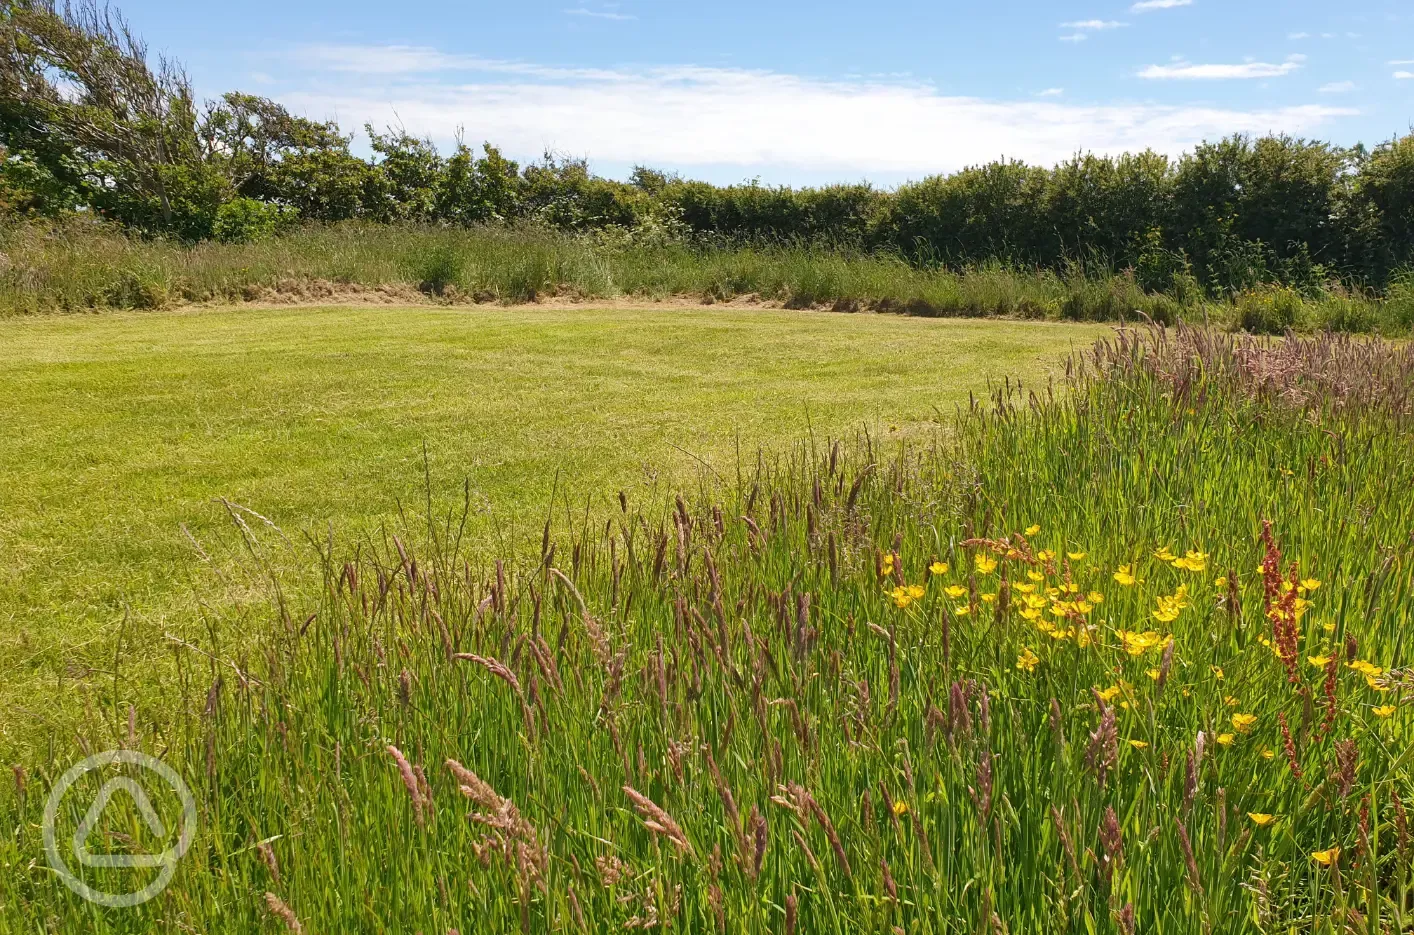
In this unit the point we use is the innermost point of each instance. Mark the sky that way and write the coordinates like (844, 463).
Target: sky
(802, 93)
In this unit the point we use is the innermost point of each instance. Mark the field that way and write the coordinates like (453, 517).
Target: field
(124, 429)
(1123, 653)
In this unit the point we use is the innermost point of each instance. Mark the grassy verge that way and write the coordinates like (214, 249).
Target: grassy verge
(123, 431)
(1125, 659)
(86, 266)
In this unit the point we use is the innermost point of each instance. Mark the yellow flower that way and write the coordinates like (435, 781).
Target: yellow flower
(1030, 613)
(1083, 607)
(1023, 588)
(1139, 744)
(985, 565)
(962, 610)
(1045, 555)
(1153, 674)
(938, 568)
(1327, 857)
(1171, 605)
(1376, 684)
(1192, 561)
(989, 598)
(1032, 530)
(1095, 597)
(1268, 754)
(916, 591)
(1220, 583)
(1366, 669)
(1226, 739)
(1242, 723)
(1217, 672)
(954, 591)
(1035, 576)
(1137, 644)
(901, 598)
(1035, 601)
(1027, 661)
(1310, 584)
(1109, 694)
(1231, 701)
(900, 807)
(1261, 819)
(1384, 710)
(1075, 556)
(1164, 555)
(1319, 662)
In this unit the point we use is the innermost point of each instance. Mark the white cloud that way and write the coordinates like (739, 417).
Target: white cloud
(1404, 75)
(1182, 70)
(1074, 37)
(1144, 6)
(692, 116)
(1337, 87)
(1298, 35)
(1094, 24)
(599, 14)
(1051, 92)
(1401, 61)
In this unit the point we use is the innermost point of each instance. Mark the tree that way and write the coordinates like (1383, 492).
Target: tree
(132, 127)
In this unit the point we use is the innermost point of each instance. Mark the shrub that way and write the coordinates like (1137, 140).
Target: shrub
(441, 266)
(1268, 309)
(245, 220)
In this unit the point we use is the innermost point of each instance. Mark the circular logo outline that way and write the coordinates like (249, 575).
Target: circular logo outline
(167, 860)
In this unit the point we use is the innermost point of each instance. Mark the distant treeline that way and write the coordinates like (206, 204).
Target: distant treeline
(87, 124)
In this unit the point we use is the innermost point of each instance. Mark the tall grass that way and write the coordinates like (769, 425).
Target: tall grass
(1119, 656)
(81, 266)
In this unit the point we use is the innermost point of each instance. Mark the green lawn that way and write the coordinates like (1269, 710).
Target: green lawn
(119, 429)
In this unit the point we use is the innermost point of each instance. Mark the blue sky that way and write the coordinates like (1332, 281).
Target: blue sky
(808, 92)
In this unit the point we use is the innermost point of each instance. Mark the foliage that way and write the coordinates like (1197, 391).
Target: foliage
(245, 220)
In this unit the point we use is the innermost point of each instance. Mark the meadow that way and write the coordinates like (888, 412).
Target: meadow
(1125, 652)
(82, 266)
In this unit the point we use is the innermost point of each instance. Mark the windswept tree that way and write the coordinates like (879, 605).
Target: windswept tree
(81, 78)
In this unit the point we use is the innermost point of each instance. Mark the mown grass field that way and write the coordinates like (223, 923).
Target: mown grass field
(123, 428)
(1132, 656)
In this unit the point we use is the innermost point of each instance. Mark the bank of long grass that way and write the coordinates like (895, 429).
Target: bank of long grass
(83, 266)
(1130, 658)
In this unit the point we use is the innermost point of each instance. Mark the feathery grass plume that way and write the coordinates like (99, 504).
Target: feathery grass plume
(657, 820)
(511, 833)
(1289, 745)
(1164, 666)
(267, 854)
(1103, 749)
(500, 671)
(1189, 863)
(1126, 919)
(1112, 843)
(815, 808)
(982, 794)
(1067, 844)
(890, 886)
(409, 778)
(792, 913)
(1347, 755)
(284, 913)
(760, 839)
(804, 847)
(598, 639)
